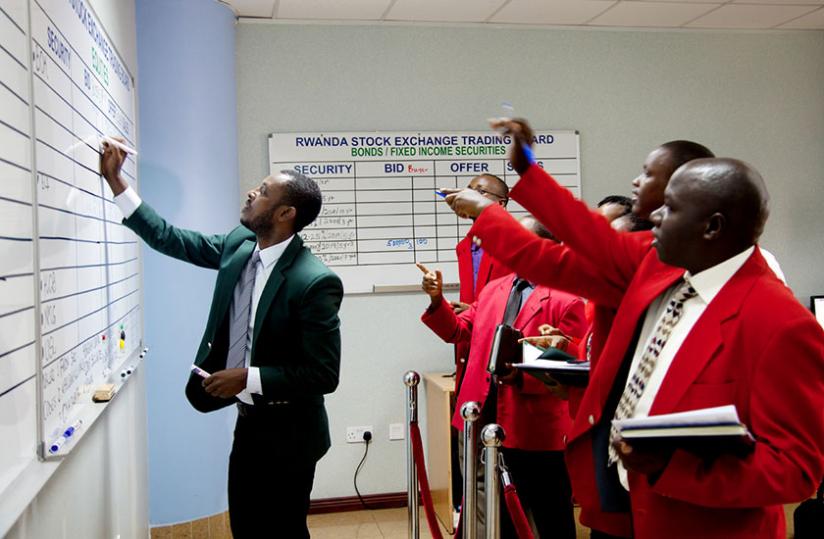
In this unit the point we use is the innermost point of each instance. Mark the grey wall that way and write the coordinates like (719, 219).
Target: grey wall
(758, 96)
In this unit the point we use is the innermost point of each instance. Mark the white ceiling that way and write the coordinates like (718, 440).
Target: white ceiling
(723, 14)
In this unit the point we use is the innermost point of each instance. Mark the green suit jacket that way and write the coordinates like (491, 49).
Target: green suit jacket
(296, 341)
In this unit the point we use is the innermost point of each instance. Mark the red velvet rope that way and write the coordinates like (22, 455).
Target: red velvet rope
(423, 481)
(516, 513)
(513, 503)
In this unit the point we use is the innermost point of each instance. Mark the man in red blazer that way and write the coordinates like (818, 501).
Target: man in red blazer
(475, 267)
(535, 421)
(737, 327)
(548, 263)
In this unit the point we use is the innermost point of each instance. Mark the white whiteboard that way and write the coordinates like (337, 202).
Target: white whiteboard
(380, 213)
(70, 314)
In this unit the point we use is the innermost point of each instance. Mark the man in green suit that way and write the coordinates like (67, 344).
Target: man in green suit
(271, 343)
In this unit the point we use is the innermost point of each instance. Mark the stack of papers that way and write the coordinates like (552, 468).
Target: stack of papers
(553, 372)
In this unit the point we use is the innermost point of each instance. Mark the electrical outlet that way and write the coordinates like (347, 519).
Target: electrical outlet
(354, 435)
(396, 431)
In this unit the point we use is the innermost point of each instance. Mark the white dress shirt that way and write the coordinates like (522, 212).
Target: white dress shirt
(707, 284)
(128, 201)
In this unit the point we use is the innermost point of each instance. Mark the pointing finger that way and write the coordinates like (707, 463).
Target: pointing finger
(423, 268)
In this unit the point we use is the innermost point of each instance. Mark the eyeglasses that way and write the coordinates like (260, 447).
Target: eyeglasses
(484, 192)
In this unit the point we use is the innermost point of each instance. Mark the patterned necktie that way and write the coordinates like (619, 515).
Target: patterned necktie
(640, 377)
(240, 313)
(513, 304)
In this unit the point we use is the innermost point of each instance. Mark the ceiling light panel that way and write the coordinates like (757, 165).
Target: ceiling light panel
(253, 8)
(778, 2)
(560, 12)
(749, 16)
(443, 10)
(652, 14)
(813, 21)
(364, 10)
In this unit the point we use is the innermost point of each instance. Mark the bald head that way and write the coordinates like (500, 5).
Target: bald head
(713, 209)
(738, 192)
(534, 226)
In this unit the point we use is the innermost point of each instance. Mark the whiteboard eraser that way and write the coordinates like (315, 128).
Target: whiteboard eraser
(103, 393)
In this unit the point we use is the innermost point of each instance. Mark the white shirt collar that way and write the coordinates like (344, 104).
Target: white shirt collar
(710, 281)
(270, 255)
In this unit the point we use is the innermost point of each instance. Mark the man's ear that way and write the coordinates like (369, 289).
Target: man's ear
(716, 225)
(286, 213)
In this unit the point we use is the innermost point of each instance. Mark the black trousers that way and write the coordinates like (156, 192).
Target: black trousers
(269, 485)
(457, 472)
(543, 486)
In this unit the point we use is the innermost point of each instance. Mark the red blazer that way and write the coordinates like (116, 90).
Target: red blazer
(488, 270)
(548, 263)
(755, 347)
(532, 418)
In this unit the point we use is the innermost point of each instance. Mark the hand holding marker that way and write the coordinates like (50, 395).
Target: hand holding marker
(117, 144)
(200, 372)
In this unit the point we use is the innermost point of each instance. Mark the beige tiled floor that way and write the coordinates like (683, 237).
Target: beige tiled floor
(386, 523)
(391, 523)
(380, 523)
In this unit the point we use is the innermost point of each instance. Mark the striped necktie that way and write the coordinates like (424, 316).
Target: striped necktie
(641, 375)
(239, 314)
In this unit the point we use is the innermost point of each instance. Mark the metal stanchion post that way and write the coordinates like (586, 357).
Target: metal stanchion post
(470, 412)
(411, 379)
(492, 435)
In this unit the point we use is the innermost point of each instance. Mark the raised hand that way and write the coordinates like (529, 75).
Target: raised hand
(432, 283)
(522, 135)
(466, 203)
(111, 161)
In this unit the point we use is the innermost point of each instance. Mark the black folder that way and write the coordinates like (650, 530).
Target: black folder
(707, 432)
(505, 349)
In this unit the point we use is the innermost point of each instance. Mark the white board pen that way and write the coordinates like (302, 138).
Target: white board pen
(118, 144)
(57, 444)
(200, 372)
(71, 429)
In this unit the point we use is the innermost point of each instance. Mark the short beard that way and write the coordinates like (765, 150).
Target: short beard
(260, 225)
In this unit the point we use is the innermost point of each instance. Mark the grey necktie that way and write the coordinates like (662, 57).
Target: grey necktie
(239, 314)
(513, 303)
(640, 376)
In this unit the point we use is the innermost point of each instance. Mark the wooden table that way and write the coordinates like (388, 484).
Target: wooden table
(440, 403)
